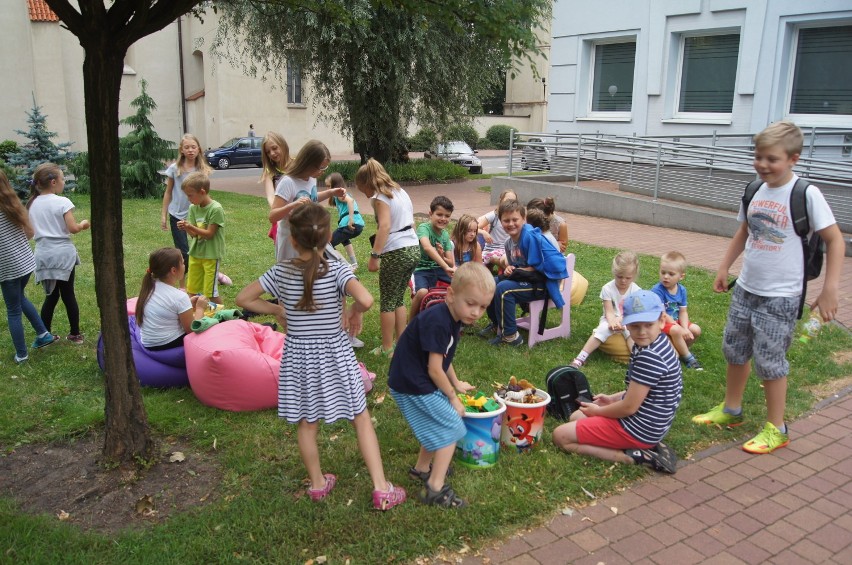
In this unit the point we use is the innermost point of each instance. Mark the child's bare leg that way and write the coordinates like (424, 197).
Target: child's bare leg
(424, 460)
(440, 464)
(591, 345)
(735, 384)
(307, 439)
(696, 331)
(678, 341)
(387, 322)
(368, 443)
(350, 252)
(775, 391)
(415, 303)
(565, 437)
(400, 321)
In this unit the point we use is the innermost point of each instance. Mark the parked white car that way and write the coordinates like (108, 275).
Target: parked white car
(457, 152)
(535, 157)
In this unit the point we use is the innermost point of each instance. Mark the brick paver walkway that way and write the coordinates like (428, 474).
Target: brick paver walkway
(723, 506)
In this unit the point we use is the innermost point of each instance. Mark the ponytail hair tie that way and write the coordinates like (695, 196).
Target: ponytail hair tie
(315, 249)
(315, 227)
(148, 271)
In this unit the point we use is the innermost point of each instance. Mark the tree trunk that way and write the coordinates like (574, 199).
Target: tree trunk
(127, 434)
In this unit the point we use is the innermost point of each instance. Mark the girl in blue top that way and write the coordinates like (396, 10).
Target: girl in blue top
(350, 224)
(465, 243)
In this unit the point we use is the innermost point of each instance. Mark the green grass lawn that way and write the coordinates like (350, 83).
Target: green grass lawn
(259, 513)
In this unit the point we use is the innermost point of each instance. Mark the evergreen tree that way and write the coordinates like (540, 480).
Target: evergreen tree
(39, 149)
(142, 150)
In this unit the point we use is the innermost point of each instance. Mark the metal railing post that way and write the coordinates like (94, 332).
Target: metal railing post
(657, 171)
(511, 149)
(577, 167)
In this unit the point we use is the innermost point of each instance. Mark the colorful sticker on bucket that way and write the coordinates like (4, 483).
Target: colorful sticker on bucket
(480, 447)
(524, 422)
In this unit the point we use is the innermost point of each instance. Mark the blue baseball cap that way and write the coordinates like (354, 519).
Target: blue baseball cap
(642, 306)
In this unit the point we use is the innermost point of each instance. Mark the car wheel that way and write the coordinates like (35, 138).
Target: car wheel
(223, 163)
(477, 171)
(524, 166)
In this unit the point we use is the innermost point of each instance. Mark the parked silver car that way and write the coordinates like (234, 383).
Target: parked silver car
(457, 152)
(535, 157)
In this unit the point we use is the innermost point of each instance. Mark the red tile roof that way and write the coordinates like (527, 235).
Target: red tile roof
(41, 12)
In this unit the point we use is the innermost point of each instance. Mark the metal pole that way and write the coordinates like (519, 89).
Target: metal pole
(511, 146)
(577, 167)
(657, 172)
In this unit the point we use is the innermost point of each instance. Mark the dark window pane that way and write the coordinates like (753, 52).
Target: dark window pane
(822, 82)
(709, 73)
(613, 87)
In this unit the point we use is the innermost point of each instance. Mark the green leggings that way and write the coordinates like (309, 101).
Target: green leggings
(395, 271)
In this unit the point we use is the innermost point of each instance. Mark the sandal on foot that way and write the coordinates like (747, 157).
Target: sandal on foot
(382, 352)
(446, 497)
(661, 458)
(423, 476)
(385, 500)
(320, 493)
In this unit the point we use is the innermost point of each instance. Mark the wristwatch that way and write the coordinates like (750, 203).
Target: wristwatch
(375, 255)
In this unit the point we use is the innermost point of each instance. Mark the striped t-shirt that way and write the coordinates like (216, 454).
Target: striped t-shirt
(656, 366)
(16, 256)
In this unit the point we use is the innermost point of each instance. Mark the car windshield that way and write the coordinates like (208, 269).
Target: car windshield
(230, 142)
(454, 147)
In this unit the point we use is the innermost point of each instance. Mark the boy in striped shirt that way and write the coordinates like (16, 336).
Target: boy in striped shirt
(628, 426)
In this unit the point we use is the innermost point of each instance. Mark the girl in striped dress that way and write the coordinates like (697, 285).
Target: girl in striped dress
(16, 265)
(319, 378)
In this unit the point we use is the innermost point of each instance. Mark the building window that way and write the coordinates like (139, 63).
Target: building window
(820, 84)
(708, 73)
(294, 83)
(612, 88)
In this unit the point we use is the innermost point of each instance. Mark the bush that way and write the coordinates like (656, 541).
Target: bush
(6, 148)
(423, 140)
(79, 167)
(416, 170)
(499, 136)
(465, 133)
(485, 143)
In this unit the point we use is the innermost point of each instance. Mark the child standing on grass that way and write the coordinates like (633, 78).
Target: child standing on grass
(297, 187)
(436, 252)
(629, 426)
(319, 376)
(165, 313)
(625, 269)
(395, 249)
(205, 225)
(672, 293)
(350, 224)
(423, 382)
(56, 257)
(465, 243)
(175, 205)
(766, 299)
(16, 265)
(275, 156)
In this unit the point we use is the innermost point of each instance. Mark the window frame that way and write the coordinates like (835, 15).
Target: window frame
(709, 117)
(591, 113)
(810, 120)
(294, 85)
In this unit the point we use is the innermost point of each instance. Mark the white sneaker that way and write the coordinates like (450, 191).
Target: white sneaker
(355, 342)
(354, 266)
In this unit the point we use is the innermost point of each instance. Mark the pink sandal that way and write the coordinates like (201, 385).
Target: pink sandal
(320, 493)
(385, 500)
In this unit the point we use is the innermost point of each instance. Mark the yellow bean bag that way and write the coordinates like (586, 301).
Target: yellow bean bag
(616, 347)
(579, 286)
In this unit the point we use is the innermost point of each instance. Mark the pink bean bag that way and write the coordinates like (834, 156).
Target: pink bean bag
(234, 365)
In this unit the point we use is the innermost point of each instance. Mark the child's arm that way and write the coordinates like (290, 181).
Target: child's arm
(350, 208)
(354, 314)
(477, 252)
(735, 248)
(72, 224)
(249, 298)
(613, 316)
(461, 386)
(562, 237)
(482, 223)
(383, 219)
(683, 320)
(201, 233)
(282, 209)
(167, 199)
(442, 381)
(199, 304)
(438, 257)
(625, 406)
(339, 192)
(834, 251)
(268, 188)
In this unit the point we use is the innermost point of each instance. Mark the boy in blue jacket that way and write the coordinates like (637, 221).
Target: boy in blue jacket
(532, 268)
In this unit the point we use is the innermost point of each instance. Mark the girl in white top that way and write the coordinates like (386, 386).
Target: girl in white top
(493, 233)
(53, 222)
(299, 185)
(175, 203)
(395, 244)
(164, 313)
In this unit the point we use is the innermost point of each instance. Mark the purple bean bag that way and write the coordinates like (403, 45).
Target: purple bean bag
(158, 369)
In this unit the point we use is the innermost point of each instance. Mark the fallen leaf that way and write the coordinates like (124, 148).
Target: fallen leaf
(568, 511)
(145, 504)
(464, 549)
(590, 495)
(14, 376)
(179, 401)
(63, 515)
(176, 457)
(191, 472)
(214, 443)
(380, 398)
(587, 519)
(614, 509)
(333, 438)
(349, 503)
(321, 559)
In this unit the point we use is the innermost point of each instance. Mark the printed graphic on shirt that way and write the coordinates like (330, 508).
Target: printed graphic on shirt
(766, 224)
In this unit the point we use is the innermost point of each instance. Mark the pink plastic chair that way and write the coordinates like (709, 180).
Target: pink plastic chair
(531, 321)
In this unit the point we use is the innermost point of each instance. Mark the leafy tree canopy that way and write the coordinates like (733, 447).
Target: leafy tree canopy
(376, 65)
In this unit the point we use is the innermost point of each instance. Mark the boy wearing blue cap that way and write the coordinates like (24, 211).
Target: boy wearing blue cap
(628, 426)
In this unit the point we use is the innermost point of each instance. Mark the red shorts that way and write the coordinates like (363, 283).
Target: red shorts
(606, 432)
(667, 326)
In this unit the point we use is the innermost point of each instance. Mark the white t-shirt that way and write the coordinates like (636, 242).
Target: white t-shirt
(291, 189)
(498, 234)
(773, 264)
(161, 323)
(47, 216)
(401, 215)
(179, 205)
(609, 293)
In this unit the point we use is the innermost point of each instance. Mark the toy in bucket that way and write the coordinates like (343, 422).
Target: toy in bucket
(480, 447)
(524, 420)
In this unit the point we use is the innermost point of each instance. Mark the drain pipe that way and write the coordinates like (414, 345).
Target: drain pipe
(182, 85)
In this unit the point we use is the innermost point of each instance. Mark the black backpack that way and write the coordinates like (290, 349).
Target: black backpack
(567, 387)
(813, 247)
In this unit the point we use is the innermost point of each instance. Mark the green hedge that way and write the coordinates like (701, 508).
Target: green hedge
(463, 132)
(416, 170)
(499, 136)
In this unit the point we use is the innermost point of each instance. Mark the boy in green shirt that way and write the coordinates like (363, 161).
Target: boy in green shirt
(436, 252)
(204, 225)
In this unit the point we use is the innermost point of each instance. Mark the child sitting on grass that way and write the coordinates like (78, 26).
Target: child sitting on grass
(629, 426)
(673, 296)
(436, 252)
(625, 269)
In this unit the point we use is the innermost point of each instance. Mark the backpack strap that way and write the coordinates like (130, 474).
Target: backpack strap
(802, 226)
(750, 190)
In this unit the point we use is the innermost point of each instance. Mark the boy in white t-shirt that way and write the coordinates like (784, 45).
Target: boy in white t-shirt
(625, 269)
(765, 303)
